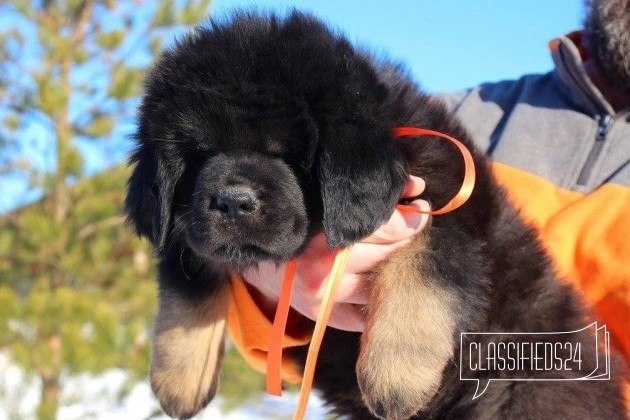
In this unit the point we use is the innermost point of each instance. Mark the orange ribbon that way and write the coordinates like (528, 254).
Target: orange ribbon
(468, 183)
(274, 357)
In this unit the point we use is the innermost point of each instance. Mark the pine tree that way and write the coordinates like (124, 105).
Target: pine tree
(76, 288)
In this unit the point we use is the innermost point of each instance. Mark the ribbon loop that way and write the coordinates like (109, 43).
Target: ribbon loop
(468, 184)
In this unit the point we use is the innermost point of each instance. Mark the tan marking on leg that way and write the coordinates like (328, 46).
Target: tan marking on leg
(187, 352)
(408, 339)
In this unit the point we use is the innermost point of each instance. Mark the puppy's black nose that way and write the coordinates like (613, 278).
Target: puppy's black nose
(234, 202)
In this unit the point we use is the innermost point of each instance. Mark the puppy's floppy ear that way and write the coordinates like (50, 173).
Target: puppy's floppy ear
(150, 195)
(361, 177)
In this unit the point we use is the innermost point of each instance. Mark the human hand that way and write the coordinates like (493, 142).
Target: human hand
(315, 263)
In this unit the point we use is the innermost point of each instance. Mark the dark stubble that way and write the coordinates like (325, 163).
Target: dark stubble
(607, 36)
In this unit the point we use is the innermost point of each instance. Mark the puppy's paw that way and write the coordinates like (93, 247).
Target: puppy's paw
(184, 383)
(177, 398)
(397, 381)
(187, 353)
(408, 338)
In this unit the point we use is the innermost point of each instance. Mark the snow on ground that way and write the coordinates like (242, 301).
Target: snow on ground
(102, 397)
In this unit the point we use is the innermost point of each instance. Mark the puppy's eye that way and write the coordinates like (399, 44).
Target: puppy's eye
(195, 160)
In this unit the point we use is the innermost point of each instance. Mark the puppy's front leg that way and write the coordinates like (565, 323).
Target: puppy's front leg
(188, 350)
(412, 319)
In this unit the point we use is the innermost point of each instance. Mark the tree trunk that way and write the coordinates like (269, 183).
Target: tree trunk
(47, 409)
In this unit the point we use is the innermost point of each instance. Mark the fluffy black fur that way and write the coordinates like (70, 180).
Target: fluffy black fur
(260, 131)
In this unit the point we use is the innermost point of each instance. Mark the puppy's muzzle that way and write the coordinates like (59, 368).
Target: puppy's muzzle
(246, 207)
(234, 203)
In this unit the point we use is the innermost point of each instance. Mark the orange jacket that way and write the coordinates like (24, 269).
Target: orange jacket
(588, 236)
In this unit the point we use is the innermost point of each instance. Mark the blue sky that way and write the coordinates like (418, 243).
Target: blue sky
(446, 44)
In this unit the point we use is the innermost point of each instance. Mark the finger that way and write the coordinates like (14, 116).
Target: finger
(343, 316)
(365, 256)
(401, 225)
(423, 209)
(347, 317)
(353, 288)
(413, 187)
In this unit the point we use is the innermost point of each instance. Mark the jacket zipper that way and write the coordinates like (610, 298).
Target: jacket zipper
(603, 127)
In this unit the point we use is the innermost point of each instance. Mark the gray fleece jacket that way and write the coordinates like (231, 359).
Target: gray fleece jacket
(556, 125)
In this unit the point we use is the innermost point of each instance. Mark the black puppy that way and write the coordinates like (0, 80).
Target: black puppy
(259, 132)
